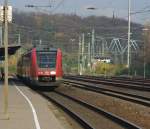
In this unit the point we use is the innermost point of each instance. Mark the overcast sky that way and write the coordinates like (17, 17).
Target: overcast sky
(104, 7)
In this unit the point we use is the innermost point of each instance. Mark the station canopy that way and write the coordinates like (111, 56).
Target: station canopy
(11, 50)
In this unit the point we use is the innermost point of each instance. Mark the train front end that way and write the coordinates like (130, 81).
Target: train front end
(49, 67)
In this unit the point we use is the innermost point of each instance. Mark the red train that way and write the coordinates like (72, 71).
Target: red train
(41, 67)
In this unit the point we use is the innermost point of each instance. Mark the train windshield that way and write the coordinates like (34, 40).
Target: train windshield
(46, 59)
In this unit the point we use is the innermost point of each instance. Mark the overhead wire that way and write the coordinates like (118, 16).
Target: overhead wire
(58, 5)
(140, 12)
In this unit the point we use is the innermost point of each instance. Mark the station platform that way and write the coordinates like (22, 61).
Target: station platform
(24, 114)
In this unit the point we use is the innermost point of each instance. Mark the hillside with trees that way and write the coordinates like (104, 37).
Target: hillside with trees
(62, 27)
(63, 30)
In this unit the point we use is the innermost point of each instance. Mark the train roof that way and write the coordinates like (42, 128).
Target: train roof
(45, 49)
(41, 48)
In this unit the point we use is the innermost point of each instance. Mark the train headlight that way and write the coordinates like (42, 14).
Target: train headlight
(40, 73)
(53, 73)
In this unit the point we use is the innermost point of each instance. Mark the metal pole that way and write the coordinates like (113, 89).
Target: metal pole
(40, 42)
(79, 57)
(6, 58)
(19, 40)
(1, 35)
(83, 59)
(144, 60)
(103, 49)
(144, 68)
(129, 33)
(93, 42)
(144, 51)
(89, 54)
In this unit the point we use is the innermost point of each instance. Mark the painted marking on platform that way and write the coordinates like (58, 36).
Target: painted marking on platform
(32, 107)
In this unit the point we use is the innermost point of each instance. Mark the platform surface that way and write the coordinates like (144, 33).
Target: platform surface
(20, 113)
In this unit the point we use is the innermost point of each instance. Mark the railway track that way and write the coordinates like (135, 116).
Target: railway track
(146, 80)
(121, 80)
(115, 83)
(132, 79)
(109, 92)
(67, 103)
(140, 82)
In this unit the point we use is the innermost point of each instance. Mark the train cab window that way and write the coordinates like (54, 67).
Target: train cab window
(46, 59)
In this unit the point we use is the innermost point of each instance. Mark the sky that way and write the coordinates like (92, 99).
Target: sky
(79, 7)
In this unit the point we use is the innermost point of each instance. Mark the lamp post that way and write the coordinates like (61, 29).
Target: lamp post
(6, 58)
(92, 47)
